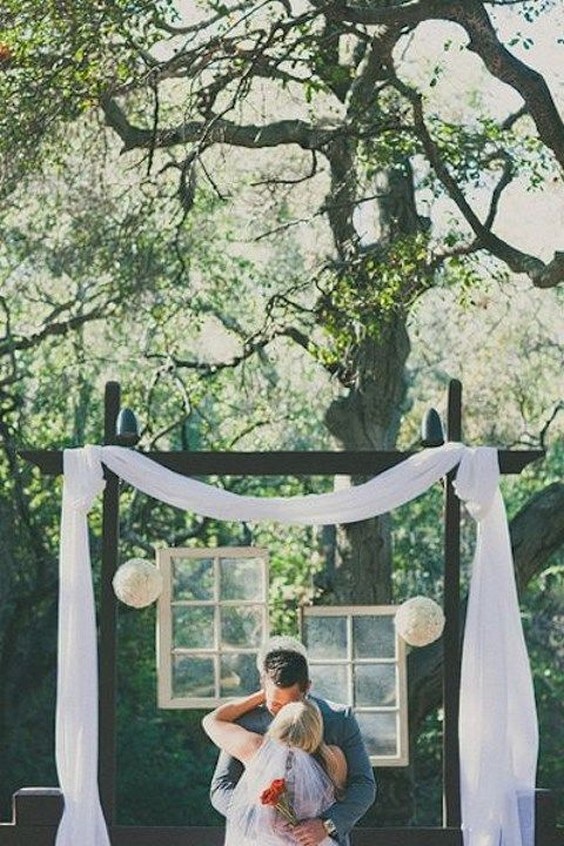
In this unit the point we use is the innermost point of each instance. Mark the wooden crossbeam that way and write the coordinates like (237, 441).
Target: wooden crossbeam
(367, 463)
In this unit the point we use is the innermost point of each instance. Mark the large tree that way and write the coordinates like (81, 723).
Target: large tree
(334, 81)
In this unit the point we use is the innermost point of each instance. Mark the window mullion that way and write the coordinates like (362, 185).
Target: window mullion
(217, 626)
(350, 659)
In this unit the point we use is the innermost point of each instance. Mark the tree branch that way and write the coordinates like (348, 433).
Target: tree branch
(506, 178)
(472, 16)
(218, 131)
(537, 531)
(374, 67)
(410, 12)
(193, 29)
(296, 181)
(541, 275)
(502, 64)
(10, 344)
(254, 345)
(206, 369)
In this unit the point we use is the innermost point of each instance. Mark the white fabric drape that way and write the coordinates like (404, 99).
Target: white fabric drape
(498, 726)
(497, 723)
(76, 732)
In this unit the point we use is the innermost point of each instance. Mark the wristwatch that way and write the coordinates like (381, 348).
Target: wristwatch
(330, 828)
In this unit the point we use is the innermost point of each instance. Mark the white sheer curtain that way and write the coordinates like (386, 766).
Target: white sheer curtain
(498, 718)
(497, 723)
(76, 735)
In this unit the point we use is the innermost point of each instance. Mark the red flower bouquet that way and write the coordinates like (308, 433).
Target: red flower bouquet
(277, 796)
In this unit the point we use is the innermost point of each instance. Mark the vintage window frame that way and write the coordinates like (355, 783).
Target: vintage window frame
(164, 642)
(401, 759)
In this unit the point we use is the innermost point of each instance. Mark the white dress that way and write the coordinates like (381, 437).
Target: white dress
(311, 792)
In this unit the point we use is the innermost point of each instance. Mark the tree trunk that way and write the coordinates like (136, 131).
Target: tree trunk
(368, 418)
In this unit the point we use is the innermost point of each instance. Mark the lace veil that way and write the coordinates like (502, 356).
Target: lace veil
(310, 791)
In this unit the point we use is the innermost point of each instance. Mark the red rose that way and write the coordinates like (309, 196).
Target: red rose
(272, 794)
(277, 796)
(267, 797)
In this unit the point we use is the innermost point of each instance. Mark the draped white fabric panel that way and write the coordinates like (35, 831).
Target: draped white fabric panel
(498, 720)
(395, 486)
(76, 734)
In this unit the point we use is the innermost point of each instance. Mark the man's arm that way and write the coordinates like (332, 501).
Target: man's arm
(227, 773)
(361, 787)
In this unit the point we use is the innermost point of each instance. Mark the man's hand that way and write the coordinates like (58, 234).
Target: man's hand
(309, 832)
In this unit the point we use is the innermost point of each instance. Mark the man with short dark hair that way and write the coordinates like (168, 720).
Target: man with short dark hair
(285, 678)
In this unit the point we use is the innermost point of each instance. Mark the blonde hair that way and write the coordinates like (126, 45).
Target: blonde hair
(300, 724)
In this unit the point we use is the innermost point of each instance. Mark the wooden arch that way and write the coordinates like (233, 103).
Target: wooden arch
(37, 811)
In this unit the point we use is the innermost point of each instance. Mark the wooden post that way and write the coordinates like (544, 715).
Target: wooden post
(451, 636)
(108, 617)
(546, 831)
(38, 806)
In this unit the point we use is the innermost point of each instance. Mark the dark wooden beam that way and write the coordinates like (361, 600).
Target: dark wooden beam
(451, 637)
(107, 697)
(50, 462)
(44, 835)
(37, 812)
(125, 836)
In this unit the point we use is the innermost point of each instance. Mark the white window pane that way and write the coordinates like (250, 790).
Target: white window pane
(329, 681)
(379, 732)
(241, 626)
(192, 578)
(241, 578)
(210, 632)
(193, 627)
(192, 676)
(374, 636)
(326, 637)
(375, 684)
(239, 675)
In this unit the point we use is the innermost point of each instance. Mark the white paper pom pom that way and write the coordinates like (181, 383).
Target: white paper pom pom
(419, 621)
(137, 583)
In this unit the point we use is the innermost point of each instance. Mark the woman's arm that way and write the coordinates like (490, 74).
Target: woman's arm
(219, 725)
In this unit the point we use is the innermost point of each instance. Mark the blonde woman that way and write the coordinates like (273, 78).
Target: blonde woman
(292, 749)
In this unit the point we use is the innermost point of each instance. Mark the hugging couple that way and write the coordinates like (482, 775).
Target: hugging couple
(293, 768)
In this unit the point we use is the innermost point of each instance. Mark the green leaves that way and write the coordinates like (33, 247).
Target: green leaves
(56, 58)
(477, 154)
(358, 301)
(524, 41)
